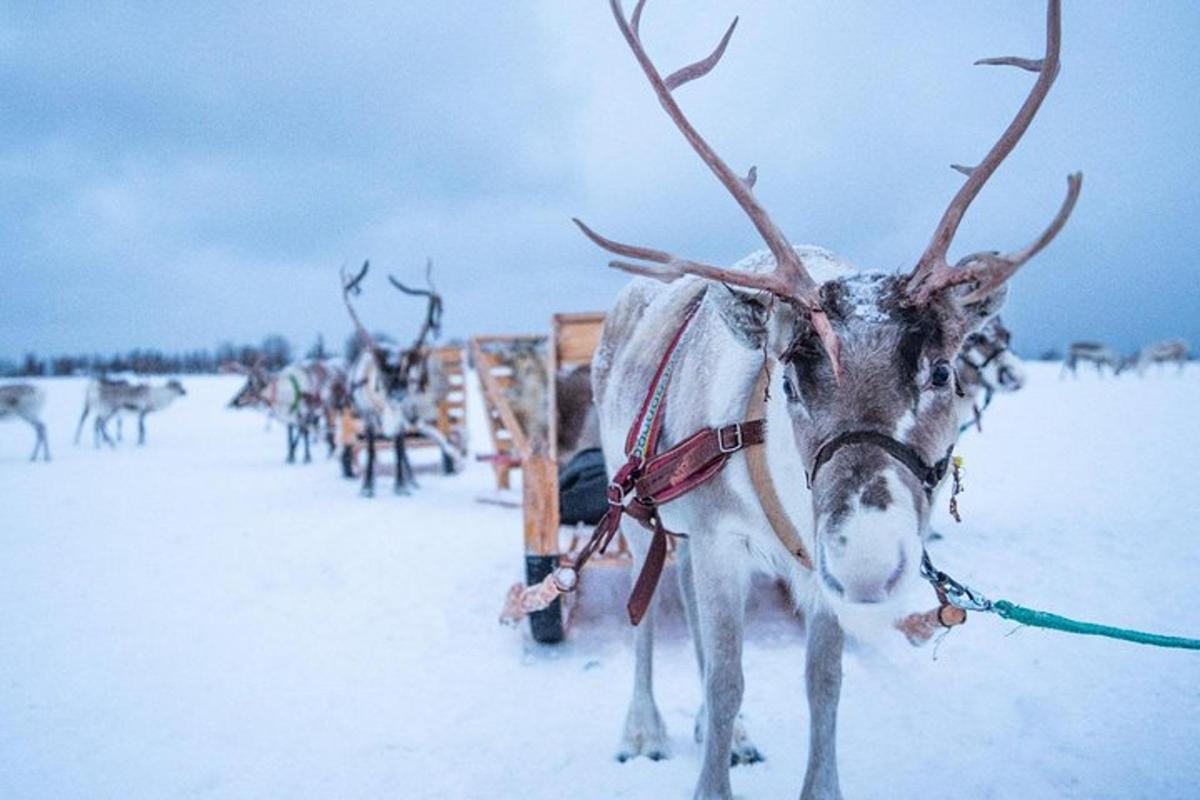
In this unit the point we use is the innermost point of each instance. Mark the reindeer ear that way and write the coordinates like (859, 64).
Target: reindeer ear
(745, 313)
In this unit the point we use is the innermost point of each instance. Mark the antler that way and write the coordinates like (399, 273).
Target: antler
(351, 286)
(789, 280)
(933, 273)
(433, 314)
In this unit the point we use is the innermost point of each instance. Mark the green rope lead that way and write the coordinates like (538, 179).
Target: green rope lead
(1043, 619)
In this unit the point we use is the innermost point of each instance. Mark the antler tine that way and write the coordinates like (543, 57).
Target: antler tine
(990, 269)
(408, 290)
(702, 67)
(933, 260)
(352, 286)
(788, 266)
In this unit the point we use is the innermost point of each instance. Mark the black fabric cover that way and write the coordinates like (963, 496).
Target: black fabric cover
(582, 488)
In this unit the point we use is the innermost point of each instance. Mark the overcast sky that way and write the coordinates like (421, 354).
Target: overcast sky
(176, 175)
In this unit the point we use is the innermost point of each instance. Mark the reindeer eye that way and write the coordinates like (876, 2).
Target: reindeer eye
(940, 376)
(789, 390)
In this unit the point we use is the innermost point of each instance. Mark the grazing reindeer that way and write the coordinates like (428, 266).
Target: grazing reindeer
(1171, 351)
(25, 401)
(986, 365)
(861, 401)
(106, 399)
(1094, 352)
(393, 390)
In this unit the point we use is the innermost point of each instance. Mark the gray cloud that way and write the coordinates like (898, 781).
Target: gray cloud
(179, 176)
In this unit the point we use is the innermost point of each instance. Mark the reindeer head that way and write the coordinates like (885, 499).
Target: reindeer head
(866, 361)
(252, 393)
(176, 388)
(401, 372)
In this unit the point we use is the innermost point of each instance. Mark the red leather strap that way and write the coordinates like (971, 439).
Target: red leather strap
(657, 479)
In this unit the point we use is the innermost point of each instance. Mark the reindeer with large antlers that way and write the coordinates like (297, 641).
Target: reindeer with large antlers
(395, 391)
(833, 490)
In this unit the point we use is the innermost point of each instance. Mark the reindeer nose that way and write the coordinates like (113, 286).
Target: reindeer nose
(863, 586)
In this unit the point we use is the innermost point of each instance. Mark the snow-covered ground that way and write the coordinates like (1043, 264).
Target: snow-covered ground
(196, 619)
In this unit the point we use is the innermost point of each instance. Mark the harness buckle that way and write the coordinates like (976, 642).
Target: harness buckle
(737, 438)
(616, 494)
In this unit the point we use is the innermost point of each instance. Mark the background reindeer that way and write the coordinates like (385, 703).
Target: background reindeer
(862, 409)
(394, 391)
(986, 365)
(1093, 352)
(25, 401)
(107, 399)
(1171, 351)
(303, 396)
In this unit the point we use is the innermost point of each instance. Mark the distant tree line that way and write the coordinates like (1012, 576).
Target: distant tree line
(272, 353)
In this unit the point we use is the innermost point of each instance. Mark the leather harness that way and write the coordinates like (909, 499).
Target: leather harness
(647, 481)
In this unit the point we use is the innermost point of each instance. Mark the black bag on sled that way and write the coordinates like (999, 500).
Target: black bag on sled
(583, 488)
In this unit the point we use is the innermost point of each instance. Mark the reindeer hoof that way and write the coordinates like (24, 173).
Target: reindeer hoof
(367, 492)
(653, 755)
(745, 755)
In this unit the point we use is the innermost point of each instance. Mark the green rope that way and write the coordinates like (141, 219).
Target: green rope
(1043, 619)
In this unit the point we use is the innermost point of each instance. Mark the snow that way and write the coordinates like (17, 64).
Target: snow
(194, 619)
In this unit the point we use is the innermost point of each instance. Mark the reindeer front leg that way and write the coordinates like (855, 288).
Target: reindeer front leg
(721, 574)
(823, 679)
(142, 427)
(742, 750)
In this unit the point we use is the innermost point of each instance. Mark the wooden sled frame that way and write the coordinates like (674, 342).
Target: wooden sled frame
(572, 342)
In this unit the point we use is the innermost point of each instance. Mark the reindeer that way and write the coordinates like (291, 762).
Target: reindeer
(1094, 352)
(25, 401)
(858, 370)
(302, 396)
(985, 365)
(395, 391)
(1169, 351)
(94, 401)
(106, 399)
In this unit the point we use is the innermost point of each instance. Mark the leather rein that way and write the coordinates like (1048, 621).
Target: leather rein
(648, 480)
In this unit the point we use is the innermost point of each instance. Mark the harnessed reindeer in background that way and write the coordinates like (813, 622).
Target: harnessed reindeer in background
(985, 365)
(1172, 351)
(25, 401)
(302, 396)
(1093, 352)
(857, 367)
(106, 399)
(394, 390)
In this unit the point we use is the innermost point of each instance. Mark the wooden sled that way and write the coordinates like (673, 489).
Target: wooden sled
(573, 339)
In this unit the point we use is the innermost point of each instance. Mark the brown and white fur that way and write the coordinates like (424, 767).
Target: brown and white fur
(526, 394)
(299, 395)
(25, 401)
(106, 399)
(1094, 353)
(1171, 351)
(986, 365)
(845, 352)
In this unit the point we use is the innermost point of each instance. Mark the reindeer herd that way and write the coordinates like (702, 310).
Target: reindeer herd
(865, 373)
